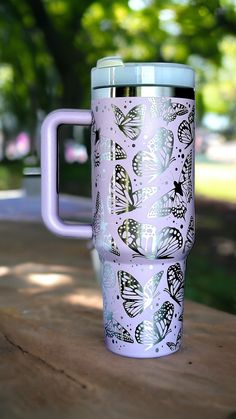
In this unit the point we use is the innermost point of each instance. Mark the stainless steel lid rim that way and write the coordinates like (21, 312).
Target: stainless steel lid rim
(143, 91)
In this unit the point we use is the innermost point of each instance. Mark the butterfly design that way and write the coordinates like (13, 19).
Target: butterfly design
(122, 198)
(131, 123)
(145, 240)
(181, 317)
(114, 329)
(137, 298)
(103, 239)
(108, 276)
(95, 130)
(105, 303)
(109, 244)
(166, 109)
(174, 346)
(175, 200)
(150, 333)
(97, 218)
(175, 282)
(191, 116)
(186, 129)
(150, 163)
(107, 150)
(190, 236)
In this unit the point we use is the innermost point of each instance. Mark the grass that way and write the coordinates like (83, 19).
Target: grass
(210, 283)
(216, 181)
(75, 179)
(11, 175)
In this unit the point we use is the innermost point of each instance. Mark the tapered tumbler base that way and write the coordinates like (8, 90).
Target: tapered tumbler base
(143, 308)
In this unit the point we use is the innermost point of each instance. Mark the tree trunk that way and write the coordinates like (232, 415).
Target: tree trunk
(66, 56)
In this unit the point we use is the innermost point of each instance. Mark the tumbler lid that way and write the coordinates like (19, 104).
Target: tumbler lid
(112, 72)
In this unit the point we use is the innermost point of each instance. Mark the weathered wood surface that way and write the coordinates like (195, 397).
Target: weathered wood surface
(53, 360)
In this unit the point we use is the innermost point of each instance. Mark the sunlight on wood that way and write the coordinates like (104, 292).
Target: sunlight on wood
(48, 280)
(93, 301)
(4, 270)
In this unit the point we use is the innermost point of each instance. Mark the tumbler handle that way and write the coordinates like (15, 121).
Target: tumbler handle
(49, 158)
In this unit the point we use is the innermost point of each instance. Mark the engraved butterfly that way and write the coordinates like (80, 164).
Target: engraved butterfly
(94, 130)
(166, 109)
(131, 123)
(114, 329)
(151, 333)
(175, 346)
(186, 130)
(175, 282)
(175, 200)
(146, 241)
(190, 236)
(181, 317)
(103, 239)
(108, 276)
(158, 157)
(97, 218)
(137, 298)
(107, 150)
(109, 244)
(122, 198)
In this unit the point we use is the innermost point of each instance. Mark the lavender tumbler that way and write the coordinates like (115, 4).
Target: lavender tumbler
(143, 198)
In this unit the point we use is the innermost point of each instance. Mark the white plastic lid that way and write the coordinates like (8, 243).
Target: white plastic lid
(112, 71)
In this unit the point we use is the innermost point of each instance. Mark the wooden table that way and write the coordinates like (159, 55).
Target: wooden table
(53, 360)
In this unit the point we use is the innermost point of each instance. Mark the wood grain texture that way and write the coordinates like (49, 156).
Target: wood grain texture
(53, 360)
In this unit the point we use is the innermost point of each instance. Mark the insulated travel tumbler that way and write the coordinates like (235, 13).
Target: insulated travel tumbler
(142, 134)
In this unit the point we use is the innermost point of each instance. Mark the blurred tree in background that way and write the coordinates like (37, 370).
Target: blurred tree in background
(49, 46)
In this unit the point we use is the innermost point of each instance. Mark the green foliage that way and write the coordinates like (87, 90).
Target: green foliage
(49, 47)
(206, 283)
(211, 263)
(219, 92)
(75, 179)
(11, 175)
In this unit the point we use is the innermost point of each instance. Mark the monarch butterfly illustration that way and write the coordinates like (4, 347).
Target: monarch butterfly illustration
(150, 163)
(186, 130)
(174, 346)
(100, 233)
(145, 241)
(122, 197)
(107, 149)
(181, 317)
(151, 333)
(114, 329)
(95, 131)
(137, 298)
(190, 236)
(108, 276)
(175, 282)
(109, 244)
(98, 215)
(191, 115)
(131, 123)
(166, 109)
(175, 200)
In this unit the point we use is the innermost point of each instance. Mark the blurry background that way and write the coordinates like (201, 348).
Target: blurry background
(47, 49)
